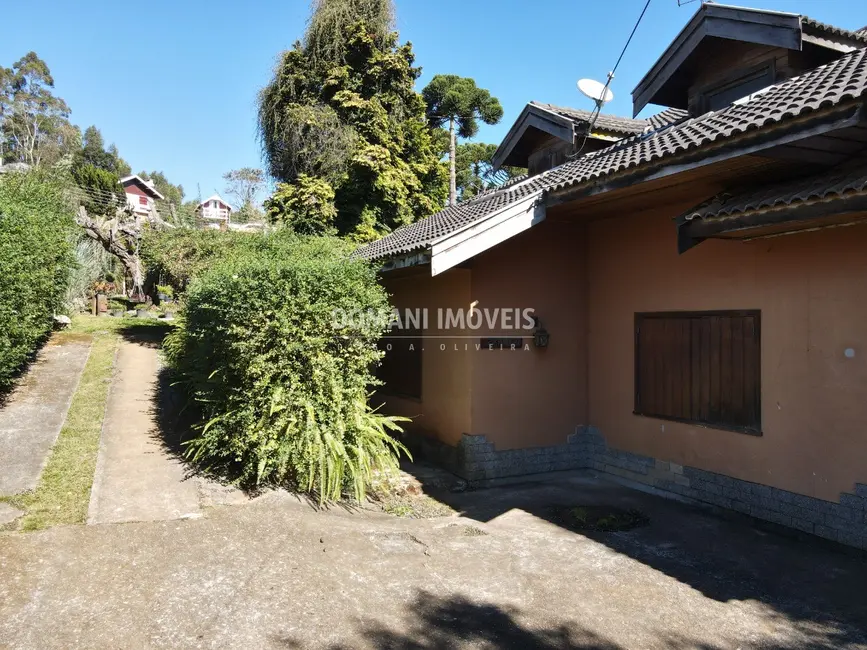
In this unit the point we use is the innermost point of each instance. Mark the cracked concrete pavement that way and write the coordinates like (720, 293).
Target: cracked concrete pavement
(32, 416)
(275, 573)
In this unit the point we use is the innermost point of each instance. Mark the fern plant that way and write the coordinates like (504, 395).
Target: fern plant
(284, 394)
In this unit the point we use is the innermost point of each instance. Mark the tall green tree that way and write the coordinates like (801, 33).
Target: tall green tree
(342, 108)
(459, 103)
(174, 193)
(33, 120)
(305, 207)
(474, 170)
(325, 40)
(122, 167)
(93, 153)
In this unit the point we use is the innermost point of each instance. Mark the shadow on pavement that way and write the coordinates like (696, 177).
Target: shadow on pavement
(805, 582)
(435, 623)
(147, 333)
(431, 622)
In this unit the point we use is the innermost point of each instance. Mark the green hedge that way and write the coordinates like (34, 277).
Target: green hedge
(284, 394)
(177, 255)
(36, 227)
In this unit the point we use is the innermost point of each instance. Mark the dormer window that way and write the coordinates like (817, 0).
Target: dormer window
(546, 136)
(726, 53)
(723, 93)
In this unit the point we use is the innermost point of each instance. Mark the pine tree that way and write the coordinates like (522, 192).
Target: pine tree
(459, 103)
(342, 108)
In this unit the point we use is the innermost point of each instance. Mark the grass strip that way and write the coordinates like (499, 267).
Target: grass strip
(63, 493)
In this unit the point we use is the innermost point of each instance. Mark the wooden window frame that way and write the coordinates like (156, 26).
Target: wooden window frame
(755, 313)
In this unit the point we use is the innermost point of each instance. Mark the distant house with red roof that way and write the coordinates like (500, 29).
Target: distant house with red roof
(140, 194)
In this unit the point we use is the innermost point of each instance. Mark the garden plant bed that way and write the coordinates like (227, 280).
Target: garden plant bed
(605, 519)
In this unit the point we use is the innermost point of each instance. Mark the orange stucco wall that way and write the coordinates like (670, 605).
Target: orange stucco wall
(519, 398)
(586, 281)
(812, 291)
(534, 397)
(444, 408)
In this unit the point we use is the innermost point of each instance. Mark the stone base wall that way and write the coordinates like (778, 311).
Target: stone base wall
(476, 460)
(844, 522)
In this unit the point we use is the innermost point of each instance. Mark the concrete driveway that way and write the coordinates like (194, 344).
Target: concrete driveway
(274, 573)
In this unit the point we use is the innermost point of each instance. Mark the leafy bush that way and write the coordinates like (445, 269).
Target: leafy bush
(36, 259)
(175, 256)
(166, 290)
(92, 262)
(306, 207)
(101, 191)
(283, 392)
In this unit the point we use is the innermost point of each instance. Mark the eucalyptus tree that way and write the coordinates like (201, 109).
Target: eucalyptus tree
(457, 102)
(32, 119)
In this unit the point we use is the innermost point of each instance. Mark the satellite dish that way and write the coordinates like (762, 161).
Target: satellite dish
(595, 91)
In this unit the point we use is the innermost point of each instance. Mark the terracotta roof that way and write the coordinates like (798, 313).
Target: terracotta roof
(616, 123)
(822, 88)
(827, 186)
(604, 122)
(814, 25)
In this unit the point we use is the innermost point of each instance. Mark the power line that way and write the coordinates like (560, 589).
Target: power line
(599, 101)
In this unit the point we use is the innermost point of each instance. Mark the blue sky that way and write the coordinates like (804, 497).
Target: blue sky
(174, 83)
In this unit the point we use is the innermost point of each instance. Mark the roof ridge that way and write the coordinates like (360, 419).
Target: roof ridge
(823, 87)
(584, 111)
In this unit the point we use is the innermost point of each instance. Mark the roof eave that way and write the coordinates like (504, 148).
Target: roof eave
(474, 238)
(535, 116)
(848, 209)
(745, 143)
(757, 26)
(138, 180)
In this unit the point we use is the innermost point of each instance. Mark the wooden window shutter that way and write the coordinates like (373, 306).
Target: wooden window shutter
(701, 367)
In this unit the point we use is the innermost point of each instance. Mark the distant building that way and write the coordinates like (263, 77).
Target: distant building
(214, 212)
(140, 194)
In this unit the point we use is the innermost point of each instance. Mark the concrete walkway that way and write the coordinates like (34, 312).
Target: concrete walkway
(277, 574)
(31, 419)
(137, 478)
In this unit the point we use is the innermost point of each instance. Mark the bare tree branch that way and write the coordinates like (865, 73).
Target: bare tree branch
(121, 236)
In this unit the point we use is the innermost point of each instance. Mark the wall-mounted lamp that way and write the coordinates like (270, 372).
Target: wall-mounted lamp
(540, 335)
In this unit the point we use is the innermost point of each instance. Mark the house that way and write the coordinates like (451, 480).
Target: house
(215, 212)
(678, 302)
(140, 194)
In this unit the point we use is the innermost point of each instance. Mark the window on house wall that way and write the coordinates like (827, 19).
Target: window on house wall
(701, 367)
(142, 200)
(400, 369)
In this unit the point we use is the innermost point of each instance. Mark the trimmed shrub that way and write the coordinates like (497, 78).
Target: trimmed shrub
(175, 256)
(36, 227)
(284, 393)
